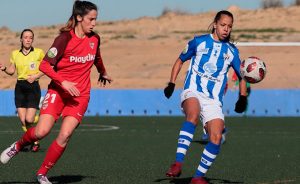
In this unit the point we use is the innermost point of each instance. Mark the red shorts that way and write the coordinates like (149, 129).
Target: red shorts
(57, 104)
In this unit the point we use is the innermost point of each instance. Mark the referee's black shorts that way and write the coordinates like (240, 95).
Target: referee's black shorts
(27, 95)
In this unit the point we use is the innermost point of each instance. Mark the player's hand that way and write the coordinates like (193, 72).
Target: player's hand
(241, 104)
(103, 79)
(2, 67)
(70, 87)
(31, 78)
(169, 89)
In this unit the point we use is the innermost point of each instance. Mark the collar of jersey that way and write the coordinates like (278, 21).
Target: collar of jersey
(31, 50)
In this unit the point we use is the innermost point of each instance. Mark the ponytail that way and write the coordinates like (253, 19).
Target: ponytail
(80, 8)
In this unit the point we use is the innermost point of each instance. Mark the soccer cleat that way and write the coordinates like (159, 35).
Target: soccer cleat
(8, 153)
(42, 179)
(174, 170)
(199, 180)
(35, 147)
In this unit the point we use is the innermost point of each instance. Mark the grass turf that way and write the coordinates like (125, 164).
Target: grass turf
(257, 150)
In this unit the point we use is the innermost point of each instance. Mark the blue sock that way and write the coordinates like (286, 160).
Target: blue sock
(208, 156)
(185, 138)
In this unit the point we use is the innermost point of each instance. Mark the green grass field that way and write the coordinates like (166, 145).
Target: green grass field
(257, 150)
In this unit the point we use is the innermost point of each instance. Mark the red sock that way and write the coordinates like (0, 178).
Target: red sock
(28, 138)
(53, 154)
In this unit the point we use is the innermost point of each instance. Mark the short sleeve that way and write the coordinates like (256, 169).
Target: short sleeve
(189, 51)
(12, 58)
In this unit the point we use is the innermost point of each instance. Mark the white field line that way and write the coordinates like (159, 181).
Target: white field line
(82, 128)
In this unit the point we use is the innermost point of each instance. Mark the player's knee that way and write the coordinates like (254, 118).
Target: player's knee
(29, 120)
(194, 118)
(64, 137)
(23, 121)
(41, 133)
(216, 138)
(28, 124)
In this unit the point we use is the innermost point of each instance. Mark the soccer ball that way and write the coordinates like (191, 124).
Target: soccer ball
(253, 69)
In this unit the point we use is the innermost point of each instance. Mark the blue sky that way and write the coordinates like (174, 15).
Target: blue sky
(20, 14)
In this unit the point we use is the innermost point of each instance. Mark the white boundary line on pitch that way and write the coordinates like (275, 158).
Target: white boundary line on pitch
(93, 128)
(267, 44)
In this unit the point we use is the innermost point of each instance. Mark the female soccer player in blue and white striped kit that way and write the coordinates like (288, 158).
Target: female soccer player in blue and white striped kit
(211, 56)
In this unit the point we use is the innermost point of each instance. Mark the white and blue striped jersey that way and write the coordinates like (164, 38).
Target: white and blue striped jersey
(210, 62)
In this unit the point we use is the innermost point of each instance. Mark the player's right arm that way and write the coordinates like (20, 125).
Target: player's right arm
(185, 55)
(175, 70)
(168, 91)
(11, 68)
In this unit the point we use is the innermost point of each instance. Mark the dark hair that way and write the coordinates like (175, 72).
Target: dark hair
(22, 33)
(25, 30)
(217, 18)
(80, 8)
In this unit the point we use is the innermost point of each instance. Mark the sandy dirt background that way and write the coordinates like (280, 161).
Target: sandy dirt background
(139, 54)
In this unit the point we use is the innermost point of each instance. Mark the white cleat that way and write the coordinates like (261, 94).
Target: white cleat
(42, 179)
(8, 153)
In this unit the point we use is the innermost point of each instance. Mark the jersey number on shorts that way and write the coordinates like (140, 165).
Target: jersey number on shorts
(52, 96)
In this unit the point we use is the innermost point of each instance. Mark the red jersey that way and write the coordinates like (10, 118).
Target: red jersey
(73, 58)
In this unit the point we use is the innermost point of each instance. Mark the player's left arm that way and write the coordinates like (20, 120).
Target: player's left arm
(103, 76)
(243, 88)
(34, 77)
(242, 102)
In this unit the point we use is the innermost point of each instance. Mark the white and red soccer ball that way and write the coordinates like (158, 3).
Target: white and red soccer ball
(253, 69)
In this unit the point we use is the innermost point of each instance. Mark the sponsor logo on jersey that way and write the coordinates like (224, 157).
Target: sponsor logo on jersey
(210, 68)
(203, 51)
(207, 75)
(82, 59)
(52, 52)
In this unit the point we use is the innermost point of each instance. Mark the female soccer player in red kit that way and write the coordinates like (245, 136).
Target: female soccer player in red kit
(68, 63)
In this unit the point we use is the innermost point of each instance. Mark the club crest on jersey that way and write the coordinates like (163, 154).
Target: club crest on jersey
(92, 44)
(32, 66)
(226, 56)
(52, 52)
